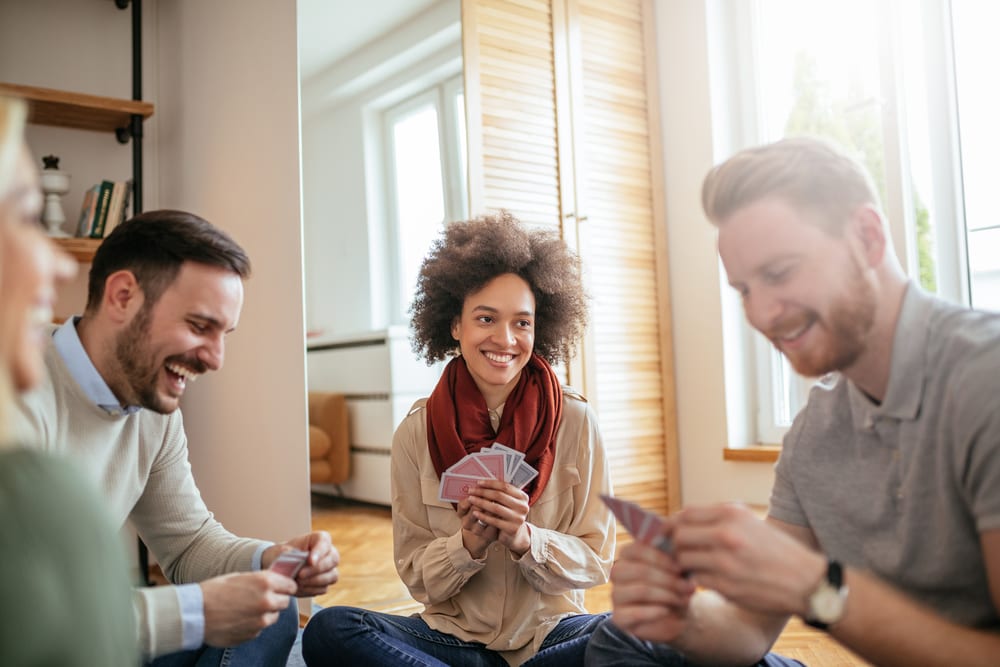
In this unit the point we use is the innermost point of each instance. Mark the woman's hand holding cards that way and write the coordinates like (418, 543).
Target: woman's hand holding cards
(503, 507)
(477, 535)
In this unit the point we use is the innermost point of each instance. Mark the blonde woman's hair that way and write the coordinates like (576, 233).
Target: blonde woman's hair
(13, 113)
(806, 172)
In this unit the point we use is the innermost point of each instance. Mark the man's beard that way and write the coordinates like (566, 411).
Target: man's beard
(139, 367)
(850, 320)
(139, 370)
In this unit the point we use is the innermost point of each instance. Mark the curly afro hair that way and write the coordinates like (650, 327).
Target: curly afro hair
(469, 254)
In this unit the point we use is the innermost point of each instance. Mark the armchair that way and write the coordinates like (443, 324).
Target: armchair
(329, 442)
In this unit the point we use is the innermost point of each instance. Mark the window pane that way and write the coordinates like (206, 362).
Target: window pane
(812, 81)
(977, 51)
(815, 82)
(918, 168)
(419, 191)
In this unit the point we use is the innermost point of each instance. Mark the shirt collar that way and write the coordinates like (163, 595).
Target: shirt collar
(906, 369)
(67, 342)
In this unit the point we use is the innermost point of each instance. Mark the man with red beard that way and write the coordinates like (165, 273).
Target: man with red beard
(165, 289)
(884, 522)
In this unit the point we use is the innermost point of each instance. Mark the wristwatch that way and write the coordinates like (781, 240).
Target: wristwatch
(827, 602)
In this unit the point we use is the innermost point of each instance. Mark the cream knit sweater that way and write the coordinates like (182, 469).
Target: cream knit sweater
(140, 462)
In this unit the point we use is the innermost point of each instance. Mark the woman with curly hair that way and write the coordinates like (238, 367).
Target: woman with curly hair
(501, 573)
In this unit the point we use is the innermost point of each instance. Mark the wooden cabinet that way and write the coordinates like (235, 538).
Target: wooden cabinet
(563, 132)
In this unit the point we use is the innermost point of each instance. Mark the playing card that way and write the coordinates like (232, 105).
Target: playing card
(523, 474)
(653, 533)
(512, 456)
(494, 462)
(633, 520)
(637, 516)
(289, 563)
(645, 528)
(470, 466)
(643, 525)
(455, 487)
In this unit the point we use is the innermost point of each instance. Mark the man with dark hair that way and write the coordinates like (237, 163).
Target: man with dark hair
(165, 289)
(884, 522)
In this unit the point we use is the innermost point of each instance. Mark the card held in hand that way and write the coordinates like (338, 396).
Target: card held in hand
(494, 462)
(643, 525)
(456, 487)
(290, 562)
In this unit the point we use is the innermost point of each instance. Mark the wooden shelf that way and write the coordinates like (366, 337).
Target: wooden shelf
(82, 250)
(78, 110)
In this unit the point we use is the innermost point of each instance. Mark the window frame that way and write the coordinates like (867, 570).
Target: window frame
(440, 95)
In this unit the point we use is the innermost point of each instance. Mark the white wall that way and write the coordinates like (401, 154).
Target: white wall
(229, 150)
(692, 144)
(345, 229)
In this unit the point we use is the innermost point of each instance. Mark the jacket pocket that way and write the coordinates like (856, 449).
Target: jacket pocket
(563, 480)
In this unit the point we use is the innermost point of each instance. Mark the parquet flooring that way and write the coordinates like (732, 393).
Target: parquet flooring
(363, 535)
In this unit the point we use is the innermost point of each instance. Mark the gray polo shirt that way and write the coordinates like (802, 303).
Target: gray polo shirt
(903, 489)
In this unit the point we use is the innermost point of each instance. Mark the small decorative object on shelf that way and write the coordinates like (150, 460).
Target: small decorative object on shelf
(55, 184)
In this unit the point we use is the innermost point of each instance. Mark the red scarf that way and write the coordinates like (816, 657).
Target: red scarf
(458, 422)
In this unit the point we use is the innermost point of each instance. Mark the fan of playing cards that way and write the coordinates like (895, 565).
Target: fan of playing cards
(642, 524)
(494, 462)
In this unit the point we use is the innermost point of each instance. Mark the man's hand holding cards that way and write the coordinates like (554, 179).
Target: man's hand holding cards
(643, 525)
(494, 462)
(290, 562)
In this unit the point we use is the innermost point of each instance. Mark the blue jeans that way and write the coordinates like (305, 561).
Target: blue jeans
(269, 649)
(352, 636)
(610, 646)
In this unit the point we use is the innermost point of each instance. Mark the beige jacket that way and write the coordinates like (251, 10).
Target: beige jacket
(508, 604)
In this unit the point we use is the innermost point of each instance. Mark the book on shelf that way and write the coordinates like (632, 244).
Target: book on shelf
(104, 208)
(86, 220)
(120, 199)
(101, 214)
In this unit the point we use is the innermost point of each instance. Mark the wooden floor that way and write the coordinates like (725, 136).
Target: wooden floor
(363, 535)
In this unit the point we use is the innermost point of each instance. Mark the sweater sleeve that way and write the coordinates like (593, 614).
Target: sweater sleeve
(172, 519)
(158, 616)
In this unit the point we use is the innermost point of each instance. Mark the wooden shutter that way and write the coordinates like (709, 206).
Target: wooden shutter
(511, 109)
(629, 355)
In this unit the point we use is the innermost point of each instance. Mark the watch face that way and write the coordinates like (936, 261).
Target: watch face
(827, 604)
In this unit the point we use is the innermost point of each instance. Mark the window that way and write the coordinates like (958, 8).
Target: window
(906, 87)
(424, 137)
(978, 100)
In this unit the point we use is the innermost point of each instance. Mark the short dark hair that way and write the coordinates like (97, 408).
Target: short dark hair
(470, 254)
(154, 245)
